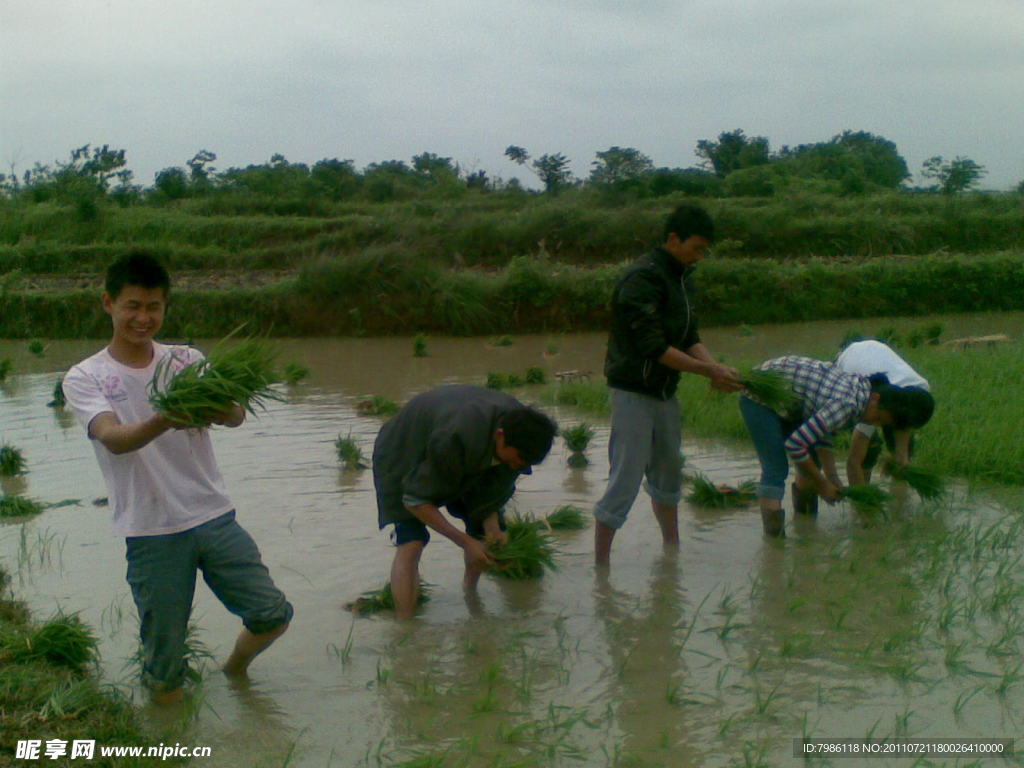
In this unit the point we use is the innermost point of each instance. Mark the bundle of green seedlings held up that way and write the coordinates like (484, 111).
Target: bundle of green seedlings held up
(866, 497)
(928, 485)
(13, 505)
(205, 391)
(566, 518)
(528, 552)
(770, 388)
(378, 600)
(12, 462)
(707, 494)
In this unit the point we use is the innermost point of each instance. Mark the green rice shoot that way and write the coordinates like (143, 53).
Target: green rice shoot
(5, 368)
(37, 348)
(203, 392)
(566, 518)
(866, 497)
(578, 437)
(927, 484)
(529, 552)
(64, 641)
(294, 373)
(58, 401)
(349, 452)
(705, 493)
(15, 505)
(377, 600)
(377, 405)
(772, 389)
(12, 461)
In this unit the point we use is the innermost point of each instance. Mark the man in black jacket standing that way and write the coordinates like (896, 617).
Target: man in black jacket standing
(653, 338)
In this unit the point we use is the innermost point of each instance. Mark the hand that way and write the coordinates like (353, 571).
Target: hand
(497, 539)
(474, 552)
(828, 490)
(725, 378)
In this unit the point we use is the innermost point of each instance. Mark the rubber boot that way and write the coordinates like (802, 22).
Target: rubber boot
(774, 522)
(805, 502)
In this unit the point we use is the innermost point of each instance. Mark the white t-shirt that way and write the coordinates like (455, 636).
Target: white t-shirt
(169, 485)
(869, 357)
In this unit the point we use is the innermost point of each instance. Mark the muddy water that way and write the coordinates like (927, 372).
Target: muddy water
(725, 653)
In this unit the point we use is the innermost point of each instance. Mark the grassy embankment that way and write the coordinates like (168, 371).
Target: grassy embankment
(511, 263)
(974, 434)
(49, 690)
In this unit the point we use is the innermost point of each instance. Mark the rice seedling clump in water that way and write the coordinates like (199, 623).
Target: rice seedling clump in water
(349, 452)
(928, 485)
(64, 640)
(867, 497)
(377, 405)
(12, 461)
(13, 505)
(707, 494)
(566, 518)
(770, 388)
(5, 368)
(382, 599)
(202, 392)
(528, 553)
(59, 401)
(295, 372)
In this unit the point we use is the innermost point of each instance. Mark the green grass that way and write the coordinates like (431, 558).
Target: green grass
(13, 505)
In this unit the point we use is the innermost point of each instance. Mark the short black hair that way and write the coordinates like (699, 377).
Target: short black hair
(528, 431)
(139, 268)
(911, 407)
(688, 220)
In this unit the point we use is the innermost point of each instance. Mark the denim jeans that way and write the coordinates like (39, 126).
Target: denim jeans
(162, 575)
(766, 429)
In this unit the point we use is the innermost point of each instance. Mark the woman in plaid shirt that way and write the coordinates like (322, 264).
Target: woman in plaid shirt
(828, 400)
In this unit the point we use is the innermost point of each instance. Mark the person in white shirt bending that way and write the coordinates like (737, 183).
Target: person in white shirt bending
(867, 358)
(166, 491)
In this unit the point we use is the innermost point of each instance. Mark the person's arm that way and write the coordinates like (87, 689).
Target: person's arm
(696, 359)
(859, 444)
(124, 438)
(492, 530)
(827, 456)
(827, 489)
(474, 551)
(901, 446)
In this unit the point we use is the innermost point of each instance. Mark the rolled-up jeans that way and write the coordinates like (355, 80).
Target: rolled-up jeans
(644, 446)
(769, 436)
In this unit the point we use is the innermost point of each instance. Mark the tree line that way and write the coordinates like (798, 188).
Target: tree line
(732, 165)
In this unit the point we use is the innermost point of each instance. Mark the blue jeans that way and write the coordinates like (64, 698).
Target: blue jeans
(162, 575)
(644, 444)
(766, 429)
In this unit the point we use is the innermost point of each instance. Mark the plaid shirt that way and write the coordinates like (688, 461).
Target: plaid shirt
(832, 400)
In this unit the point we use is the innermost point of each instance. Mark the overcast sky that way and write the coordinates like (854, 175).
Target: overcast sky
(375, 80)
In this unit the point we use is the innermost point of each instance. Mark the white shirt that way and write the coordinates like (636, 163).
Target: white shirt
(869, 357)
(172, 483)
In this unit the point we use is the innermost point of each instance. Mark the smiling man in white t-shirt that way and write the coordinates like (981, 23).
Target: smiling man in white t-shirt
(166, 491)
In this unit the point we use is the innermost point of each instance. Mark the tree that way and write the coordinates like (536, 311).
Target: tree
(732, 151)
(198, 167)
(958, 175)
(552, 170)
(619, 165)
(517, 155)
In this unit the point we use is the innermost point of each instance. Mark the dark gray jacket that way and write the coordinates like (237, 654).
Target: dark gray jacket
(440, 449)
(651, 311)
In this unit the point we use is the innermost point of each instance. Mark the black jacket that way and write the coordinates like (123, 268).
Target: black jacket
(651, 311)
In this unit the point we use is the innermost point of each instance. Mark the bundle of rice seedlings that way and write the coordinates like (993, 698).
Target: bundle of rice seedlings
(419, 345)
(13, 505)
(528, 552)
(59, 401)
(295, 372)
(706, 494)
(349, 452)
(202, 392)
(377, 405)
(5, 367)
(502, 341)
(12, 462)
(770, 388)
(566, 518)
(578, 437)
(535, 375)
(926, 483)
(36, 348)
(377, 600)
(866, 497)
(64, 641)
